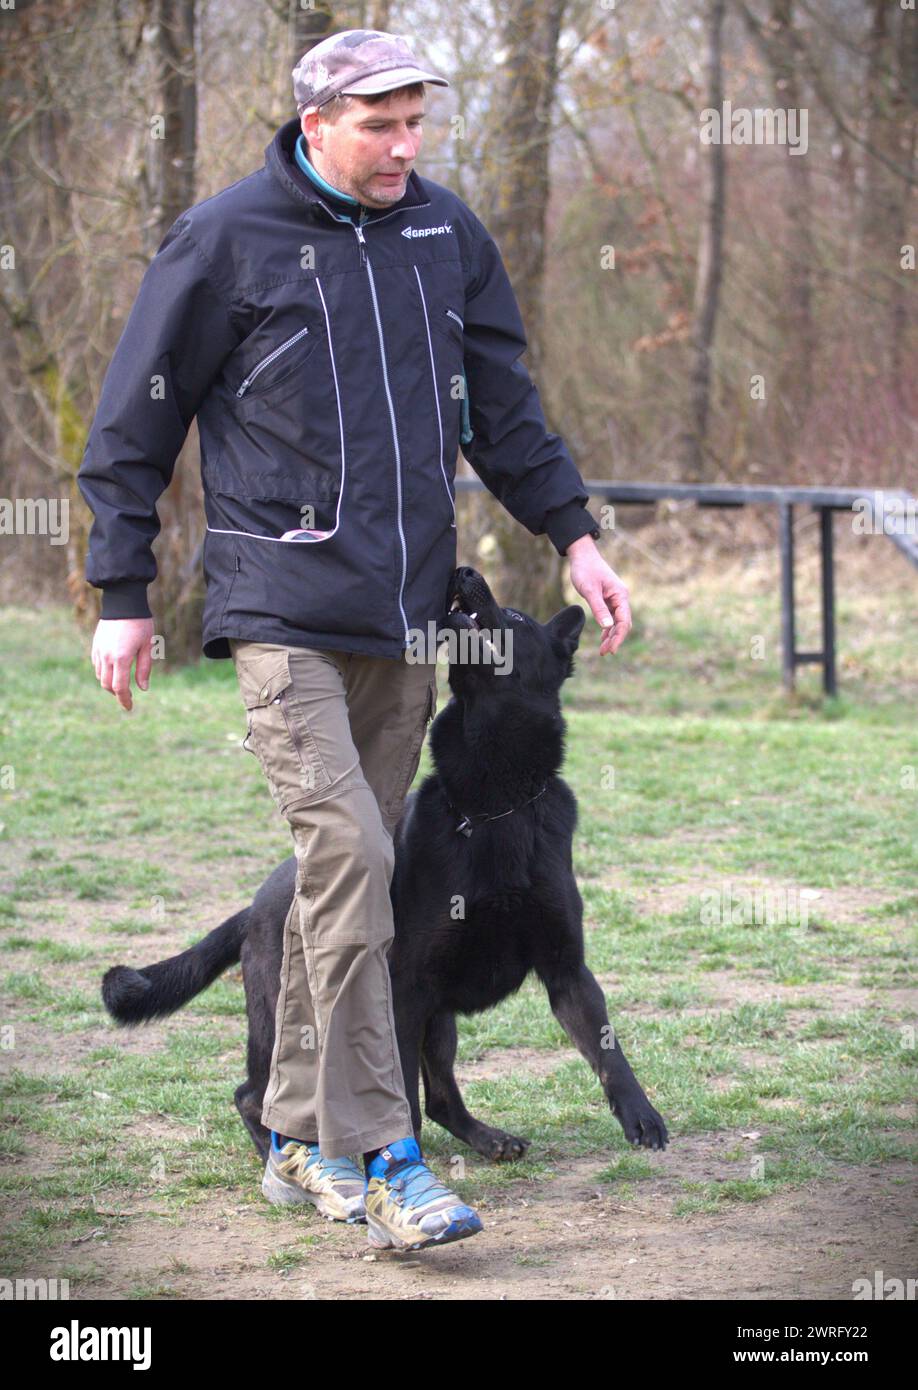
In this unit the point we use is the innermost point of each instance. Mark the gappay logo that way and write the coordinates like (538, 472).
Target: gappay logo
(427, 231)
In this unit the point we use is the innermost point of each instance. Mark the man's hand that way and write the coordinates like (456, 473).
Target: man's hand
(607, 596)
(116, 643)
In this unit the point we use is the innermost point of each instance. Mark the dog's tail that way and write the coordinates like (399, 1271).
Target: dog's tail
(137, 996)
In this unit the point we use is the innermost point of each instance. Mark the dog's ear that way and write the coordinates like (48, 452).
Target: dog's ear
(565, 628)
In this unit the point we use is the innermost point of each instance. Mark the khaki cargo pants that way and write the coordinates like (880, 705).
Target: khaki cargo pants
(338, 736)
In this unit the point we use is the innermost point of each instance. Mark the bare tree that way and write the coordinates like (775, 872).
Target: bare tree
(309, 26)
(797, 362)
(513, 191)
(710, 264)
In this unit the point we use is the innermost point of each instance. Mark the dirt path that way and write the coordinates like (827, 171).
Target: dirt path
(567, 1239)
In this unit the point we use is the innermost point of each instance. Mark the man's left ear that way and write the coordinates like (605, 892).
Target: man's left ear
(565, 628)
(315, 135)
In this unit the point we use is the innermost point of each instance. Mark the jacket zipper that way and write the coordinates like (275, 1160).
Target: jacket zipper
(433, 377)
(266, 361)
(365, 260)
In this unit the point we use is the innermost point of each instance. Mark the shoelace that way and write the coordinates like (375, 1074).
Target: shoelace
(409, 1180)
(336, 1168)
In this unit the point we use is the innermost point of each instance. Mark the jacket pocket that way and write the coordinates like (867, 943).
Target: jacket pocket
(275, 504)
(277, 365)
(278, 732)
(448, 321)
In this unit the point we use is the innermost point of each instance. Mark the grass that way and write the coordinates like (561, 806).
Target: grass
(696, 780)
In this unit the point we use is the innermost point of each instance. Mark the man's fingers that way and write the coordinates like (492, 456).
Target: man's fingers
(116, 645)
(121, 685)
(612, 642)
(610, 608)
(622, 610)
(144, 665)
(597, 601)
(614, 639)
(612, 611)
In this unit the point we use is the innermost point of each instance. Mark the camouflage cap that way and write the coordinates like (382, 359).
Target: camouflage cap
(356, 62)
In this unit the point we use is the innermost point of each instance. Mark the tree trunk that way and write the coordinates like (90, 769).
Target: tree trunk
(310, 25)
(179, 103)
(905, 132)
(513, 189)
(795, 382)
(177, 597)
(709, 270)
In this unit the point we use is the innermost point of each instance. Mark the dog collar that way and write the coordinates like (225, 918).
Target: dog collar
(465, 826)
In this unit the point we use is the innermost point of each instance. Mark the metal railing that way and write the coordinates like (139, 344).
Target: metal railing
(889, 512)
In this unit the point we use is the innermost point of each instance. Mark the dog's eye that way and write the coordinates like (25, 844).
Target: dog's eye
(517, 616)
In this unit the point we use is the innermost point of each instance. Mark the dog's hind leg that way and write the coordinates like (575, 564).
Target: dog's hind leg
(261, 974)
(249, 1103)
(579, 1005)
(409, 1024)
(443, 1099)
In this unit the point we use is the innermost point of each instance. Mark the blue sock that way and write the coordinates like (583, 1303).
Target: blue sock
(279, 1140)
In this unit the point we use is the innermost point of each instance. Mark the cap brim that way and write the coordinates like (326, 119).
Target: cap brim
(395, 77)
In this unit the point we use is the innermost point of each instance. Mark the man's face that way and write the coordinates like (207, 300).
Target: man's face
(370, 150)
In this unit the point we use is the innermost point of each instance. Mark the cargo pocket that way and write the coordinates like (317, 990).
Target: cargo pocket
(278, 733)
(412, 756)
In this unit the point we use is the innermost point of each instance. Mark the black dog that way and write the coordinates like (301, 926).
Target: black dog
(483, 889)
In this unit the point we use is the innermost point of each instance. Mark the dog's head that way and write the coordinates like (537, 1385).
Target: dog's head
(503, 647)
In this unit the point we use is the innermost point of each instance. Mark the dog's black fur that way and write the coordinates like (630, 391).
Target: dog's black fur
(473, 914)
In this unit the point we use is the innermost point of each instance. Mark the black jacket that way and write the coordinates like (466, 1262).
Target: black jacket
(326, 362)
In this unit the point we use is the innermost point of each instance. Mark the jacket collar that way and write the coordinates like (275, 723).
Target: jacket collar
(280, 161)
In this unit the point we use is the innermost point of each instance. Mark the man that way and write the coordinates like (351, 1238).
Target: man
(335, 322)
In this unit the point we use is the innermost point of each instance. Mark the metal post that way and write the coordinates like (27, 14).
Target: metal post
(828, 602)
(788, 638)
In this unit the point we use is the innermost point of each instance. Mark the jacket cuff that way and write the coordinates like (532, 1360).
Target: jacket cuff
(564, 525)
(126, 599)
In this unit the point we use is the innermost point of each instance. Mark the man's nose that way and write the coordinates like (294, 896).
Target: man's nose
(404, 147)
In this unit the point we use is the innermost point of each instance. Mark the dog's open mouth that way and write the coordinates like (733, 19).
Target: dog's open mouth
(465, 610)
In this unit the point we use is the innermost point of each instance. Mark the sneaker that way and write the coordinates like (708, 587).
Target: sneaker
(297, 1172)
(407, 1208)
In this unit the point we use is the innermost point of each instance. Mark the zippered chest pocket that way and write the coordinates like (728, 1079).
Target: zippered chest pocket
(277, 364)
(448, 321)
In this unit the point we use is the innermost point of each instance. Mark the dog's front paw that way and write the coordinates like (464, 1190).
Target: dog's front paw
(644, 1127)
(508, 1148)
(498, 1146)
